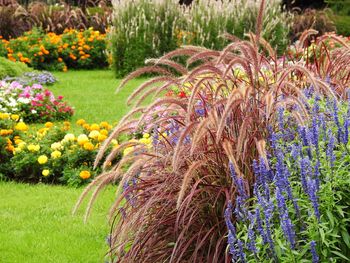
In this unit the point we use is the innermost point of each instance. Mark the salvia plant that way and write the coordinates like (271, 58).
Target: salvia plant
(299, 211)
(177, 199)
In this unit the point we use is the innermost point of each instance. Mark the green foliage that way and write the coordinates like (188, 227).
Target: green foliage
(148, 29)
(342, 24)
(341, 7)
(12, 69)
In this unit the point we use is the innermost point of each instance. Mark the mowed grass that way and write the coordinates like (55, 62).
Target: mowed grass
(37, 225)
(93, 95)
(35, 220)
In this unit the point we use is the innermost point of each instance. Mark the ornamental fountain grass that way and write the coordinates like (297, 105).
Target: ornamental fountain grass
(172, 197)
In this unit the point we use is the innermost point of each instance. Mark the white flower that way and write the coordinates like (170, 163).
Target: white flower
(34, 111)
(24, 100)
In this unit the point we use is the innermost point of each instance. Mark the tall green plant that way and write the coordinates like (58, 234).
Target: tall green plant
(146, 29)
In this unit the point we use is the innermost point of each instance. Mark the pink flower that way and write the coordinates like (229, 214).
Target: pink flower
(47, 93)
(39, 96)
(60, 97)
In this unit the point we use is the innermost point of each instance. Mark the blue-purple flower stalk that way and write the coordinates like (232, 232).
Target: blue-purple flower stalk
(330, 147)
(315, 258)
(286, 223)
(304, 171)
(337, 122)
(235, 245)
(312, 192)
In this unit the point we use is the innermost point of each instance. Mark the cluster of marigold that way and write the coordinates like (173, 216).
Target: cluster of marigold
(23, 139)
(73, 48)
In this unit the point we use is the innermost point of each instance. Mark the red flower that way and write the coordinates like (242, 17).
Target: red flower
(182, 94)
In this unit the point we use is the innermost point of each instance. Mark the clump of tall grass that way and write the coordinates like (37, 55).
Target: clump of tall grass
(144, 29)
(172, 196)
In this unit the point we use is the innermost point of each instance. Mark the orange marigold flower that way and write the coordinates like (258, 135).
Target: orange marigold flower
(84, 174)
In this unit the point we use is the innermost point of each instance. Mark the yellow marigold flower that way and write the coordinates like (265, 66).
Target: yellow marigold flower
(4, 116)
(56, 154)
(104, 124)
(42, 159)
(66, 123)
(21, 126)
(56, 146)
(15, 117)
(84, 174)
(88, 146)
(82, 138)
(33, 147)
(101, 137)
(104, 132)
(94, 134)
(128, 150)
(86, 126)
(69, 137)
(17, 150)
(95, 126)
(45, 172)
(17, 141)
(48, 124)
(146, 135)
(22, 145)
(81, 122)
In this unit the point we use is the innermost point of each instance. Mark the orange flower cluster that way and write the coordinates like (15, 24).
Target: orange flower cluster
(72, 49)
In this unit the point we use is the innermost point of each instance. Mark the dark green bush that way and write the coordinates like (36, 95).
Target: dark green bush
(342, 23)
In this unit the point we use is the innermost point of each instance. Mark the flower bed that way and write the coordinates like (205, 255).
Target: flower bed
(72, 49)
(51, 153)
(34, 103)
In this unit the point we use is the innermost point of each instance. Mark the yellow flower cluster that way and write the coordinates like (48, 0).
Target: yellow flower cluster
(21, 139)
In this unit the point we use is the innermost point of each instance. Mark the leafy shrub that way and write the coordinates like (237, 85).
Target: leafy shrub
(319, 20)
(34, 103)
(72, 49)
(148, 29)
(12, 69)
(342, 24)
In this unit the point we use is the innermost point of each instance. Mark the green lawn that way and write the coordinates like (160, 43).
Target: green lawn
(37, 226)
(92, 93)
(35, 220)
